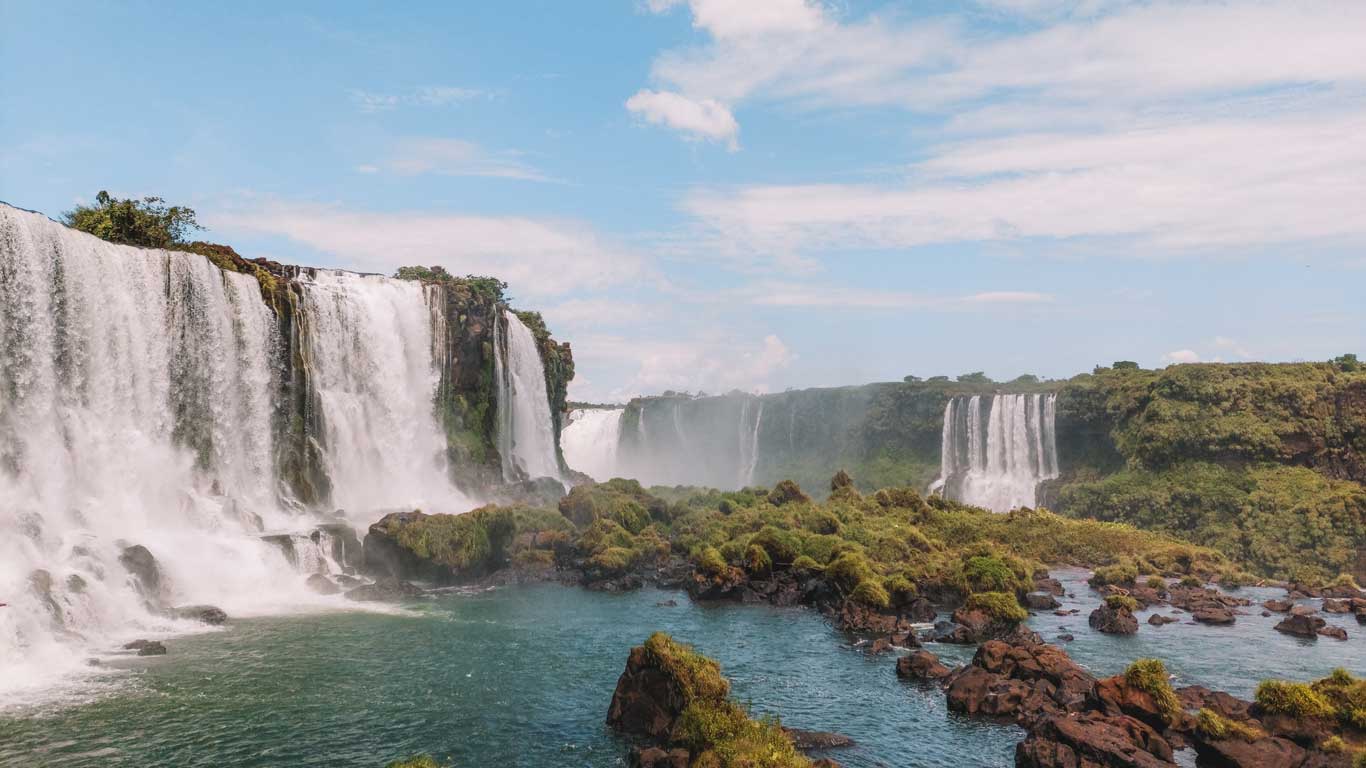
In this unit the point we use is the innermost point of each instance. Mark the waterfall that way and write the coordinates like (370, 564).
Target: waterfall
(589, 442)
(371, 345)
(752, 454)
(526, 433)
(997, 459)
(141, 405)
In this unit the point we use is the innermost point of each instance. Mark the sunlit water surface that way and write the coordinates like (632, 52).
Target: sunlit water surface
(523, 676)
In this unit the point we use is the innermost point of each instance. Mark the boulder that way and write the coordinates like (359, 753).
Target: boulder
(1093, 740)
(921, 665)
(1278, 606)
(1117, 696)
(654, 757)
(1337, 633)
(146, 647)
(1301, 625)
(1269, 752)
(808, 741)
(1213, 613)
(949, 632)
(208, 614)
(982, 626)
(1336, 605)
(1051, 586)
(1022, 681)
(1113, 621)
(1041, 601)
(1158, 620)
(140, 563)
(322, 585)
(384, 590)
(921, 611)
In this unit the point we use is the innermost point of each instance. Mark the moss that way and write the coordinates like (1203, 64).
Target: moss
(1216, 727)
(698, 678)
(709, 561)
(757, 562)
(805, 564)
(1121, 603)
(1294, 699)
(989, 574)
(787, 492)
(1157, 583)
(781, 546)
(1150, 676)
(420, 761)
(1118, 574)
(1000, 606)
(872, 594)
(1347, 695)
(1334, 745)
(849, 570)
(1191, 582)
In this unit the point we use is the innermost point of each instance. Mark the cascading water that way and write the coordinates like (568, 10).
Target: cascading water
(590, 440)
(526, 433)
(997, 462)
(139, 395)
(371, 345)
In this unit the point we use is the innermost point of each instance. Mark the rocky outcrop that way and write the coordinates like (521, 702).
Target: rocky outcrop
(146, 647)
(1301, 624)
(921, 665)
(208, 614)
(1113, 620)
(142, 566)
(384, 590)
(1021, 681)
(1093, 740)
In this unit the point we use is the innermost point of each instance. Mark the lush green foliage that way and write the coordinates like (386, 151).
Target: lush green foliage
(488, 287)
(1295, 699)
(1347, 695)
(1150, 676)
(475, 541)
(1121, 603)
(148, 222)
(1215, 726)
(1000, 606)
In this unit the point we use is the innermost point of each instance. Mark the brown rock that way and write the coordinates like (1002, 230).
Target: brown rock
(654, 757)
(921, 665)
(1337, 633)
(647, 700)
(1113, 621)
(1269, 752)
(1301, 625)
(1333, 605)
(1093, 740)
(807, 741)
(1158, 620)
(1041, 601)
(1213, 613)
(1117, 696)
(1279, 606)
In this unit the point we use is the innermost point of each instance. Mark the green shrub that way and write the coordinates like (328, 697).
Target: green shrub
(757, 562)
(805, 564)
(1217, 727)
(1334, 745)
(613, 560)
(1157, 583)
(901, 590)
(849, 570)
(1000, 606)
(1121, 603)
(1347, 695)
(146, 222)
(787, 492)
(870, 593)
(1294, 699)
(698, 678)
(989, 574)
(1150, 676)
(709, 561)
(781, 546)
(1120, 574)
(1191, 582)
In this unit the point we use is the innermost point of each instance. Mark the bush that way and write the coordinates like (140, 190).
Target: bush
(1191, 582)
(1295, 699)
(871, 593)
(757, 562)
(1121, 603)
(709, 561)
(1157, 583)
(1120, 574)
(1334, 745)
(1217, 727)
(146, 222)
(849, 570)
(1347, 695)
(989, 574)
(1150, 676)
(698, 678)
(901, 590)
(787, 492)
(781, 546)
(1000, 606)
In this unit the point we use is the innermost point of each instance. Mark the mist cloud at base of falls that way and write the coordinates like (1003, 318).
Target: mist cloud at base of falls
(138, 392)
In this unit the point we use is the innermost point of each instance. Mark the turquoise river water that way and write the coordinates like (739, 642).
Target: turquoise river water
(522, 676)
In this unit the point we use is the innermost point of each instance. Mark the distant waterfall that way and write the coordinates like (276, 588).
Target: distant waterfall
(590, 442)
(996, 450)
(526, 434)
(749, 444)
(371, 346)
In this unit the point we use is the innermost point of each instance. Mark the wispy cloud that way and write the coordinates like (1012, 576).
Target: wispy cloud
(827, 296)
(536, 256)
(424, 95)
(453, 157)
(697, 119)
(703, 360)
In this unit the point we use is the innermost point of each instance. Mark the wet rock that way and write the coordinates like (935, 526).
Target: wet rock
(322, 585)
(921, 665)
(146, 647)
(1113, 621)
(1269, 752)
(654, 757)
(1301, 625)
(981, 626)
(667, 604)
(1195, 697)
(1093, 740)
(1118, 697)
(346, 546)
(807, 741)
(1051, 586)
(949, 632)
(40, 584)
(1335, 605)
(1041, 601)
(1022, 682)
(1213, 613)
(139, 562)
(1337, 633)
(74, 583)
(921, 611)
(1158, 620)
(1067, 637)
(859, 618)
(385, 590)
(209, 614)
(1278, 606)
(879, 646)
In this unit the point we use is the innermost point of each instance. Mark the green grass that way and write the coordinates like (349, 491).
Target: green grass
(1150, 676)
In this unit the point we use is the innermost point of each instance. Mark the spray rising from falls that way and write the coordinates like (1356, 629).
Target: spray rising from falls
(526, 433)
(146, 397)
(590, 441)
(996, 450)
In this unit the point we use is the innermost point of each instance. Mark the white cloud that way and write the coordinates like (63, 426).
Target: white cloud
(726, 19)
(1181, 356)
(704, 119)
(707, 362)
(772, 294)
(599, 312)
(425, 95)
(452, 157)
(1217, 184)
(537, 257)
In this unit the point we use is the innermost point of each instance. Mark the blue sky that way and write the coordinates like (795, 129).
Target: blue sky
(753, 194)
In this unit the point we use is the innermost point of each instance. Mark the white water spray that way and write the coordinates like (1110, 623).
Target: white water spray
(589, 442)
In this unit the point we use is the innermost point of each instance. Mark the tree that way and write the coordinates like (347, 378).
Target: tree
(1347, 362)
(148, 222)
(1125, 365)
(976, 377)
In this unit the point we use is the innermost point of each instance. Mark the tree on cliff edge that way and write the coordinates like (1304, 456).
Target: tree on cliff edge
(148, 222)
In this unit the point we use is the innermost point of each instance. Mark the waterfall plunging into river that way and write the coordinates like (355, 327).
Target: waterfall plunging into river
(147, 399)
(996, 450)
(590, 440)
(526, 433)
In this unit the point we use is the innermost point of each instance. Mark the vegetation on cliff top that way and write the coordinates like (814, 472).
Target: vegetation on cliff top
(148, 222)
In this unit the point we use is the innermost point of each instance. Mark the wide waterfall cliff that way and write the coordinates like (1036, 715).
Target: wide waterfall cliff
(177, 429)
(997, 449)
